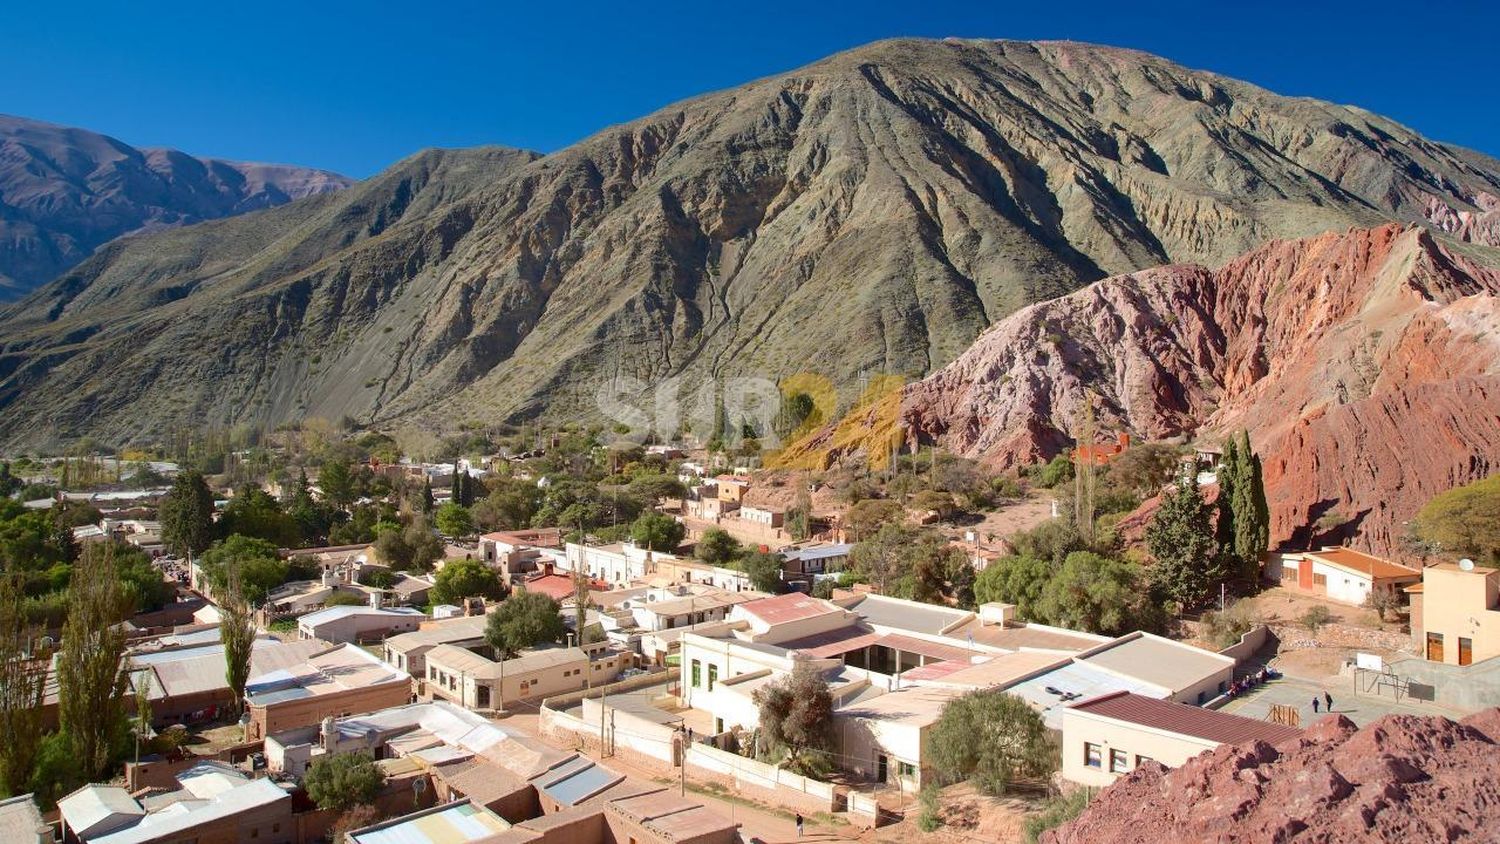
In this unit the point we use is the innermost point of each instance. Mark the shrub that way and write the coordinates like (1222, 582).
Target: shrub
(1057, 811)
(1316, 617)
(929, 819)
(1223, 629)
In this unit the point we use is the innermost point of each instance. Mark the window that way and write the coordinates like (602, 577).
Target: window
(1119, 762)
(1093, 756)
(1320, 579)
(1465, 651)
(697, 669)
(1141, 760)
(713, 676)
(906, 769)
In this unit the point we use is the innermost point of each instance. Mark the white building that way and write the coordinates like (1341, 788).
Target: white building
(358, 624)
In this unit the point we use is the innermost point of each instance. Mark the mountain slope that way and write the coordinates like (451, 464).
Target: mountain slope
(64, 192)
(1365, 364)
(874, 211)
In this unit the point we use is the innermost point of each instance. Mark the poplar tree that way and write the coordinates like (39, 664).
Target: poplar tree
(187, 515)
(90, 680)
(23, 677)
(1229, 475)
(237, 632)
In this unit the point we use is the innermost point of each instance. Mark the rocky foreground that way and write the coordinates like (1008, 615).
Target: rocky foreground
(1403, 779)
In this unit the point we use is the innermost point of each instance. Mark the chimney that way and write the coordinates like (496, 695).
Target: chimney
(375, 600)
(330, 735)
(44, 834)
(547, 568)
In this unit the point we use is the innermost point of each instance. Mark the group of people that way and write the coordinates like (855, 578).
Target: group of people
(1327, 701)
(1240, 685)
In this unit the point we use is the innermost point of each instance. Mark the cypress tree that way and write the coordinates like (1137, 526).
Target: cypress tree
(1230, 475)
(1251, 514)
(187, 515)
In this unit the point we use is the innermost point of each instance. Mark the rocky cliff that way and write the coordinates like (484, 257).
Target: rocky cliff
(64, 192)
(1365, 364)
(872, 212)
(1400, 779)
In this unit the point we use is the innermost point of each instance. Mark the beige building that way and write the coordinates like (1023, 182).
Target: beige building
(341, 681)
(1108, 736)
(477, 682)
(408, 651)
(358, 624)
(1455, 613)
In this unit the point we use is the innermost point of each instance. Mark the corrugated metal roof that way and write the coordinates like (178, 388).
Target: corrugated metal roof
(1161, 662)
(789, 607)
(574, 788)
(454, 823)
(1186, 720)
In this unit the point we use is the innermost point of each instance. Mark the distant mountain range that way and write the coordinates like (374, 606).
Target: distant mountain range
(873, 212)
(64, 192)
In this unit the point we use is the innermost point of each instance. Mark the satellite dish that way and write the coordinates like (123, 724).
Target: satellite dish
(1466, 564)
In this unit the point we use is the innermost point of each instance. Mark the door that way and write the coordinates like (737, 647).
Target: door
(1465, 651)
(1435, 647)
(882, 768)
(1304, 574)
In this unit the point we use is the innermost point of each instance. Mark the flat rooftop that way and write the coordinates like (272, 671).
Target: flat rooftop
(1014, 638)
(917, 706)
(1076, 681)
(1161, 662)
(906, 615)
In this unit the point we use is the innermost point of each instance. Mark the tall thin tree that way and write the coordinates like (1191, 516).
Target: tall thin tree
(23, 675)
(237, 632)
(90, 678)
(187, 515)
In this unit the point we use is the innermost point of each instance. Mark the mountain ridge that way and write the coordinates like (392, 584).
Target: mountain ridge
(65, 191)
(871, 212)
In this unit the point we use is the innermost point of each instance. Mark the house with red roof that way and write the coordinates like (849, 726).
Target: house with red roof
(1341, 574)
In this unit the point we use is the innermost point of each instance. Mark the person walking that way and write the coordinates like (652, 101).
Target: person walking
(1327, 702)
(1315, 704)
(799, 824)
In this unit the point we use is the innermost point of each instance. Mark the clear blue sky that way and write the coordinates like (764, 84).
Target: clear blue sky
(353, 86)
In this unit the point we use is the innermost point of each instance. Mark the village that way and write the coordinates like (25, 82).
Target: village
(567, 642)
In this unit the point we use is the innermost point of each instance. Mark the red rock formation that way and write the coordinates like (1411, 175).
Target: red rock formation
(1365, 364)
(1402, 779)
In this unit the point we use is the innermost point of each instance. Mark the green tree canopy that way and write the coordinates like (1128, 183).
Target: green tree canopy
(253, 512)
(460, 579)
(341, 781)
(1181, 539)
(764, 570)
(454, 520)
(1095, 593)
(510, 505)
(657, 531)
(993, 740)
(260, 568)
(90, 678)
(187, 515)
(796, 714)
(1015, 579)
(336, 480)
(1464, 522)
(524, 620)
(717, 548)
(869, 515)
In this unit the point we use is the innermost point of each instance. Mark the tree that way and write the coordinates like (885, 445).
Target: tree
(1095, 593)
(1464, 522)
(1252, 515)
(460, 579)
(341, 781)
(884, 557)
(336, 480)
(866, 517)
(764, 569)
(933, 501)
(23, 676)
(254, 561)
(657, 531)
(253, 512)
(90, 679)
(454, 520)
(187, 515)
(1143, 469)
(141, 582)
(426, 547)
(796, 714)
(1181, 539)
(510, 505)
(1017, 580)
(654, 488)
(993, 740)
(237, 633)
(717, 548)
(524, 620)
